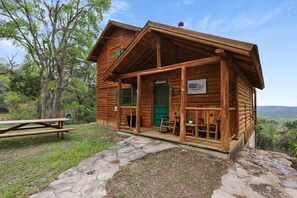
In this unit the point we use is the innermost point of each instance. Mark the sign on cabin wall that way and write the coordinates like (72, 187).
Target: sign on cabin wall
(197, 86)
(160, 82)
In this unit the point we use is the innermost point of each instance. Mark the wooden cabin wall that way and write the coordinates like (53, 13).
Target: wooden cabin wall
(213, 91)
(245, 106)
(233, 102)
(173, 80)
(105, 93)
(211, 98)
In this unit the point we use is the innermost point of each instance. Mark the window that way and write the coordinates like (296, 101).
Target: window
(128, 97)
(118, 53)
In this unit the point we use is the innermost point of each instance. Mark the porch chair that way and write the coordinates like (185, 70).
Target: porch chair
(169, 125)
(213, 123)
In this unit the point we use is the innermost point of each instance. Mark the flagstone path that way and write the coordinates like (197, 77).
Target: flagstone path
(88, 179)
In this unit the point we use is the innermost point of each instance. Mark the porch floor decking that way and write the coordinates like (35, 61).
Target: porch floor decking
(199, 143)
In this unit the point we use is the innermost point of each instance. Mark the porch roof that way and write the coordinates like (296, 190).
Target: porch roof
(141, 53)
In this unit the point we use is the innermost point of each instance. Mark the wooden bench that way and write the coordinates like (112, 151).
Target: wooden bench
(56, 125)
(58, 131)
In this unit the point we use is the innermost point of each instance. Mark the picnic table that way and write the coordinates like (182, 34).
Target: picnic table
(53, 125)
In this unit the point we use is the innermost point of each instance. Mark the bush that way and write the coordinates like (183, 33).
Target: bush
(20, 107)
(83, 114)
(276, 137)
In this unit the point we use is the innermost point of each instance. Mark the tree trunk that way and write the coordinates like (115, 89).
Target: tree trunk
(43, 91)
(50, 104)
(57, 94)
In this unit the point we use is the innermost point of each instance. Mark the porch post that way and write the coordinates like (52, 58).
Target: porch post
(225, 118)
(183, 104)
(138, 104)
(119, 103)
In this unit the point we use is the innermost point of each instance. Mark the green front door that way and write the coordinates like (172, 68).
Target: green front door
(161, 102)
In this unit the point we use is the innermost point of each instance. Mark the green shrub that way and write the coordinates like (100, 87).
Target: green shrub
(20, 107)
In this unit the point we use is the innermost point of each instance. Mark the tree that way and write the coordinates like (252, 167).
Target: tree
(80, 94)
(56, 34)
(6, 68)
(266, 130)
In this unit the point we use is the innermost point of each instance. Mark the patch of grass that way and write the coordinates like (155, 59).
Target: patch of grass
(29, 164)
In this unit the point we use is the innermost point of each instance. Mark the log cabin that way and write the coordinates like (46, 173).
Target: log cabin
(159, 75)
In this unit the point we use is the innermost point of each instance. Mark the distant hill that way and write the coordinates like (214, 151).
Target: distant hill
(280, 114)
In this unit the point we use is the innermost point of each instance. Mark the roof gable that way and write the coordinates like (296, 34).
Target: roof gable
(110, 27)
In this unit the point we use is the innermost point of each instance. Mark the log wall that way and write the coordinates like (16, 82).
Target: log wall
(245, 108)
(211, 99)
(106, 90)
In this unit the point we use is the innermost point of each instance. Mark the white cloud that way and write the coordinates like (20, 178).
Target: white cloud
(220, 24)
(246, 20)
(119, 11)
(188, 2)
(209, 24)
(180, 6)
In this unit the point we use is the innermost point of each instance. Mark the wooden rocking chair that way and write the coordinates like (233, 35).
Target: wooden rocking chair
(169, 125)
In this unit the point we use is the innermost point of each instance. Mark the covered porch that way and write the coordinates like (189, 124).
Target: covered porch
(204, 146)
(214, 132)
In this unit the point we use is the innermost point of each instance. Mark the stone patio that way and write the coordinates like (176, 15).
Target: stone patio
(259, 174)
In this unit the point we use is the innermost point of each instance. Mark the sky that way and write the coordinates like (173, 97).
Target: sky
(271, 24)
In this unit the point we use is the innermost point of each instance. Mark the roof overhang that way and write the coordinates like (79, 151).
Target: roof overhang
(244, 55)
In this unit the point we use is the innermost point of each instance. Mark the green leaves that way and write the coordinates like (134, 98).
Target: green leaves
(277, 137)
(57, 35)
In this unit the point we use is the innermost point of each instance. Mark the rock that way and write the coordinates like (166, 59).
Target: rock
(221, 194)
(45, 194)
(157, 147)
(137, 154)
(233, 184)
(291, 192)
(241, 172)
(290, 184)
(271, 177)
(125, 149)
(69, 173)
(65, 183)
(62, 194)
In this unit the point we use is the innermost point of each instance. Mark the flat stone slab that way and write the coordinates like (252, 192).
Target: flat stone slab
(259, 174)
(88, 179)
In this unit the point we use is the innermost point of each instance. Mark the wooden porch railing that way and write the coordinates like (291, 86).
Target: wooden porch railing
(127, 111)
(206, 120)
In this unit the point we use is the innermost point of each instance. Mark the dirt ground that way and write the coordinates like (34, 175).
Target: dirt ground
(174, 173)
